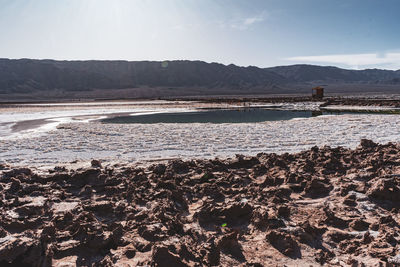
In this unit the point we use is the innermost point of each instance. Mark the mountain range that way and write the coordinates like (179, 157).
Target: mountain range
(52, 79)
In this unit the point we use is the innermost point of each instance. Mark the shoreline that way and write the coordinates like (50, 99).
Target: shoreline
(118, 107)
(140, 142)
(348, 98)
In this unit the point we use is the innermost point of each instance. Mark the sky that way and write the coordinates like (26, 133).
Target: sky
(353, 34)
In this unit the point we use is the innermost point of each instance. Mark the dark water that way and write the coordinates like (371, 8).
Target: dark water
(214, 116)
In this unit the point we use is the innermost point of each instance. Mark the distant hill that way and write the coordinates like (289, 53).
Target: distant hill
(50, 79)
(312, 73)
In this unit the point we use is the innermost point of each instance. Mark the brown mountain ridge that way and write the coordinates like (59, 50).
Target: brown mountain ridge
(52, 79)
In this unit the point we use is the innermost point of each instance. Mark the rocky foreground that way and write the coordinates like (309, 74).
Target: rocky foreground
(324, 206)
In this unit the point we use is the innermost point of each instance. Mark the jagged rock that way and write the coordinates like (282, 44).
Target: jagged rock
(4, 166)
(365, 143)
(15, 250)
(310, 234)
(338, 235)
(350, 200)
(244, 162)
(95, 163)
(260, 217)
(340, 204)
(232, 214)
(130, 253)
(151, 232)
(179, 166)
(317, 188)
(161, 257)
(332, 219)
(359, 225)
(284, 211)
(323, 256)
(158, 169)
(229, 244)
(101, 207)
(284, 243)
(17, 172)
(385, 189)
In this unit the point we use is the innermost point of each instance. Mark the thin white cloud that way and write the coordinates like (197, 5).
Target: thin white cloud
(252, 20)
(355, 61)
(245, 23)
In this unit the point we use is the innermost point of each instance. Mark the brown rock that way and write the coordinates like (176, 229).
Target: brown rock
(158, 169)
(284, 243)
(365, 143)
(317, 188)
(229, 244)
(385, 189)
(260, 218)
(233, 214)
(95, 163)
(15, 185)
(350, 200)
(18, 172)
(359, 225)
(311, 234)
(162, 257)
(338, 235)
(212, 253)
(284, 211)
(323, 255)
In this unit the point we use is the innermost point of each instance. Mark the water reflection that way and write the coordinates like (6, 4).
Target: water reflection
(214, 116)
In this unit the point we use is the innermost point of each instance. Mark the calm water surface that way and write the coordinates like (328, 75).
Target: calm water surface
(214, 116)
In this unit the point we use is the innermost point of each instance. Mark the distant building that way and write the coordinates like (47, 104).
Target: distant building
(318, 92)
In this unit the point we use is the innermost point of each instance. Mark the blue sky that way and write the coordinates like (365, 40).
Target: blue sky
(354, 34)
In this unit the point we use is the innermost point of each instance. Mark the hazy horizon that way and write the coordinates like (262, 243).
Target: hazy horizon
(195, 60)
(350, 34)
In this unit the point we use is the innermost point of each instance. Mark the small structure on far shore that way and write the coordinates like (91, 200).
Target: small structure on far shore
(318, 92)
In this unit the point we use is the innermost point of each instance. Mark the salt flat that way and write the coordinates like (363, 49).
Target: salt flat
(141, 142)
(53, 114)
